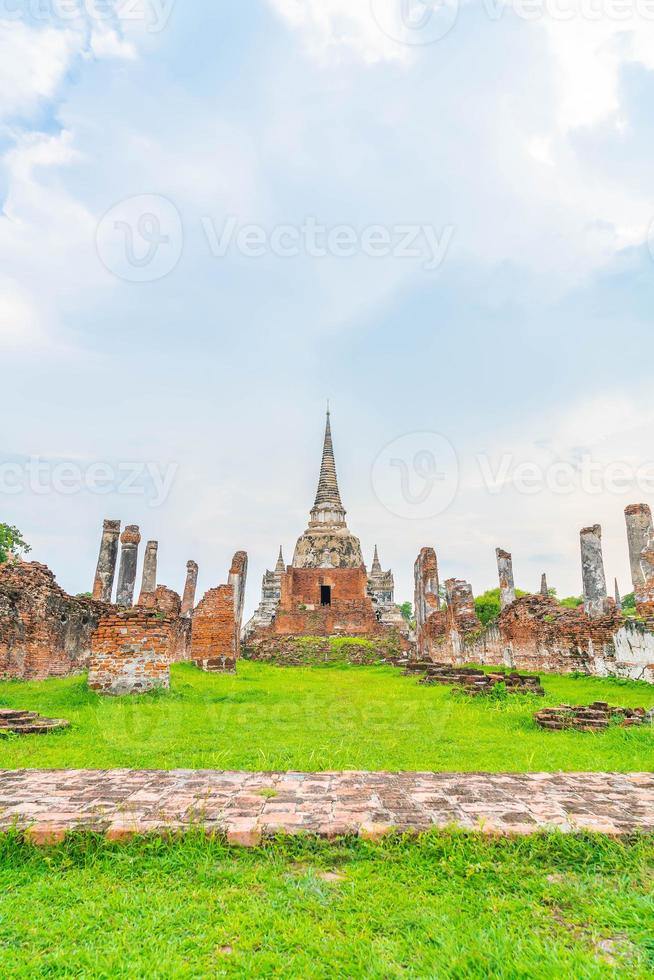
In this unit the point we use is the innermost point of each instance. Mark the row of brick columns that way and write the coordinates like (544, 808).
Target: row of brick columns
(129, 542)
(640, 538)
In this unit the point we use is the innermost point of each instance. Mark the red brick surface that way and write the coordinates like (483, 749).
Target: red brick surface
(131, 652)
(43, 631)
(215, 635)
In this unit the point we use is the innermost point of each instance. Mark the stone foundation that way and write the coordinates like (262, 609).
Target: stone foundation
(43, 631)
(131, 652)
(589, 718)
(298, 651)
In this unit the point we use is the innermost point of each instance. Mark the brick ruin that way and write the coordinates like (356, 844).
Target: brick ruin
(127, 648)
(326, 591)
(534, 632)
(43, 631)
(216, 627)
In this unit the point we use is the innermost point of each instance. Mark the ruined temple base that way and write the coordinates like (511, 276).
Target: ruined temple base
(299, 651)
(247, 807)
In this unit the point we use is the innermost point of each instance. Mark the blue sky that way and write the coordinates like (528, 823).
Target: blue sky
(526, 143)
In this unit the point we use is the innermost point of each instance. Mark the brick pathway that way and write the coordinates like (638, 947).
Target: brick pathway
(248, 805)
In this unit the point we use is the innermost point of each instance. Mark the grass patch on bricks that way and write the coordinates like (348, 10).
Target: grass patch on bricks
(446, 905)
(273, 718)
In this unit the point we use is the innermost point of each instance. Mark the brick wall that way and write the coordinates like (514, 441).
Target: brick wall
(131, 652)
(215, 633)
(43, 631)
(535, 633)
(300, 612)
(292, 651)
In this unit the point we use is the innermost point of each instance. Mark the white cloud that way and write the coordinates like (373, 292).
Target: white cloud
(330, 28)
(33, 64)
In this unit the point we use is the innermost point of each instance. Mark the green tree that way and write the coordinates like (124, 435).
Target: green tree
(629, 602)
(488, 605)
(11, 543)
(572, 602)
(407, 611)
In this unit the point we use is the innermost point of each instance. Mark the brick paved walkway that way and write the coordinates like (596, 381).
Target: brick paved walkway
(248, 805)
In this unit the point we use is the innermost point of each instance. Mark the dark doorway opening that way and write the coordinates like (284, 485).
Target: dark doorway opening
(325, 595)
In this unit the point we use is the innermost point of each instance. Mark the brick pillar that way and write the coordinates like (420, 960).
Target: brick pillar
(149, 580)
(640, 535)
(505, 571)
(426, 599)
(188, 600)
(461, 605)
(543, 585)
(130, 540)
(592, 566)
(105, 572)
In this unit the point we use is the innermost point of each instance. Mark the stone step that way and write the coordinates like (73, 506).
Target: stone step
(37, 726)
(9, 717)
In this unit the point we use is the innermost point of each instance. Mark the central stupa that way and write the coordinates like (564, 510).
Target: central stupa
(328, 542)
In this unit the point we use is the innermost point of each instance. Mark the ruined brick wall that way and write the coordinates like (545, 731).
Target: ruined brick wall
(43, 631)
(168, 603)
(130, 652)
(462, 615)
(300, 612)
(214, 631)
(535, 633)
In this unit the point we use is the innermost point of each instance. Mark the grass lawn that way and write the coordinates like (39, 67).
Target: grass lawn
(447, 905)
(312, 719)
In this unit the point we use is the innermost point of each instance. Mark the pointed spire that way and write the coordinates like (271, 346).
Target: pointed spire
(543, 585)
(280, 566)
(328, 492)
(376, 564)
(618, 598)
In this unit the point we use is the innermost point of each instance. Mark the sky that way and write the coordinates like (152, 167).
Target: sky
(437, 215)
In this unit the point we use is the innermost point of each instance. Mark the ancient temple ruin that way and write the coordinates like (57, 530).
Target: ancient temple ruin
(535, 632)
(326, 591)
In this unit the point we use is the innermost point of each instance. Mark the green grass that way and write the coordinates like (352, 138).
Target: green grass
(446, 905)
(320, 718)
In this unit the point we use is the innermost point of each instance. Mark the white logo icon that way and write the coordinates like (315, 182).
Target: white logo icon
(415, 22)
(141, 239)
(417, 475)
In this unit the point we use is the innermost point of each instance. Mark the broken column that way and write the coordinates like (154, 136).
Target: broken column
(592, 566)
(149, 580)
(130, 540)
(188, 600)
(505, 571)
(640, 535)
(543, 585)
(105, 572)
(618, 598)
(426, 598)
(237, 579)
(461, 605)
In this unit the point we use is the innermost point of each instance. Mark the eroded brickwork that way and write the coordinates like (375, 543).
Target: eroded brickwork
(214, 634)
(43, 631)
(131, 652)
(301, 611)
(297, 651)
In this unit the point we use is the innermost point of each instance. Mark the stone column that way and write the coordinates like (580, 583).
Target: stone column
(618, 598)
(130, 540)
(592, 566)
(640, 535)
(105, 572)
(188, 601)
(543, 585)
(237, 579)
(149, 580)
(505, 570)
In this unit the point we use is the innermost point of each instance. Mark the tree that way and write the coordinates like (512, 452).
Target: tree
(488, 605)
(11, 543)
(407, 611)
(572, 602)
(629, 602)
